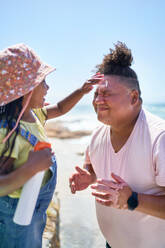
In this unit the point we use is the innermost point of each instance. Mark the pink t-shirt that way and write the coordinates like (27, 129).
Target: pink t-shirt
(141, 163)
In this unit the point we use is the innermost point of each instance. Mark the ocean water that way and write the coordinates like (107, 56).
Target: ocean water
(156, 108)
(83, 117)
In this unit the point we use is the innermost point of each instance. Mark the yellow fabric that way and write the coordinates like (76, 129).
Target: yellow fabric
(22, 147)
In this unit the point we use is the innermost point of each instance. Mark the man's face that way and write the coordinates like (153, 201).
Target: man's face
(112, 101)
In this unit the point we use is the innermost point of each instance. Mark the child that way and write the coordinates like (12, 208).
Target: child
(22, 117)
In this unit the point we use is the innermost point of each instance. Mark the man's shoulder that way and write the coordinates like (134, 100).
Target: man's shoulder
(102, 128)
(100, 134)
(154, 121)
(154, 124)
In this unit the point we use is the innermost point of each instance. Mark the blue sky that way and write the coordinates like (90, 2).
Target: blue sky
(74, 35)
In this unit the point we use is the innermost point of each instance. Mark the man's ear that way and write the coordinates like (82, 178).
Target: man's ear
(134, 97)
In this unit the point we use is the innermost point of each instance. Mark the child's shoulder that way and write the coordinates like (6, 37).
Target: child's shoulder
(41, 114)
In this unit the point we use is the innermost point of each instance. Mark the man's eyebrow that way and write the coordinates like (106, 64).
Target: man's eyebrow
(105, 88)
(103, 91)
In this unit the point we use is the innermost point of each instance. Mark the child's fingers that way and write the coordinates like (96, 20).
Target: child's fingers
(92, 82)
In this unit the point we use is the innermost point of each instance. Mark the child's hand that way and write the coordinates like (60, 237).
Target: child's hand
(88, 85)
(41, 160)
(80, 180)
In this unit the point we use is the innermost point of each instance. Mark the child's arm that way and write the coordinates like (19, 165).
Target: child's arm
(69, 102)
(37, 161)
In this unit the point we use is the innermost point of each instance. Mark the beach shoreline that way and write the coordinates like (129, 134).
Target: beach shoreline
(78, 224)
(56, 129)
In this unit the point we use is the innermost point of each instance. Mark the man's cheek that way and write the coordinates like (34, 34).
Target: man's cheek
(94, 105)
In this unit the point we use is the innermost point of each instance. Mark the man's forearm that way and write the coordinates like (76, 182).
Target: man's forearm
(152, 205)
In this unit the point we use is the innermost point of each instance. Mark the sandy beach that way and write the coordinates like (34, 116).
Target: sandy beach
(78, 224)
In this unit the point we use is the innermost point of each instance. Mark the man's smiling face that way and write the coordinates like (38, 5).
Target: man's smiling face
(112, 101)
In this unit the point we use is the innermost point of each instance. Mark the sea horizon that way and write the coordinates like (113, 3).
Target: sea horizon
(83, 117)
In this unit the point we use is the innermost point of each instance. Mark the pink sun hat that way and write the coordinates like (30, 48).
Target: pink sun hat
(21, 70)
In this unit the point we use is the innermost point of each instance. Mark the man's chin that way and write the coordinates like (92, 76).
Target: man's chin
(103, 119)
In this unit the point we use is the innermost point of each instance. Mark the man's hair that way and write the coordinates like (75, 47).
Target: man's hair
(118, 63)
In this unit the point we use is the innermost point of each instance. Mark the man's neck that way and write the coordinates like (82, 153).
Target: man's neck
(121, 133)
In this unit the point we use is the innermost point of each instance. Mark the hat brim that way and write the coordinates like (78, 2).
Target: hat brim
(12, 95)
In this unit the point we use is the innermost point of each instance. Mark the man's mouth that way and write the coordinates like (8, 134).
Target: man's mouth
(102, 108)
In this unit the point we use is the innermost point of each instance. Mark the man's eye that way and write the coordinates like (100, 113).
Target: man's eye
(107, 94)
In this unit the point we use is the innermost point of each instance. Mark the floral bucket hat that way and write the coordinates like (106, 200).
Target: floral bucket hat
(21, 70)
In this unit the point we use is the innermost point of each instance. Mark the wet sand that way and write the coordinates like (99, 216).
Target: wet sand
(78, 224)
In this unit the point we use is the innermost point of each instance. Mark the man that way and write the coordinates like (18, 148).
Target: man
(126, 160)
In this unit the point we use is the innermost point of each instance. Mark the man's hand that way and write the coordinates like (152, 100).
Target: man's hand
(112, 193)
(80, 180)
